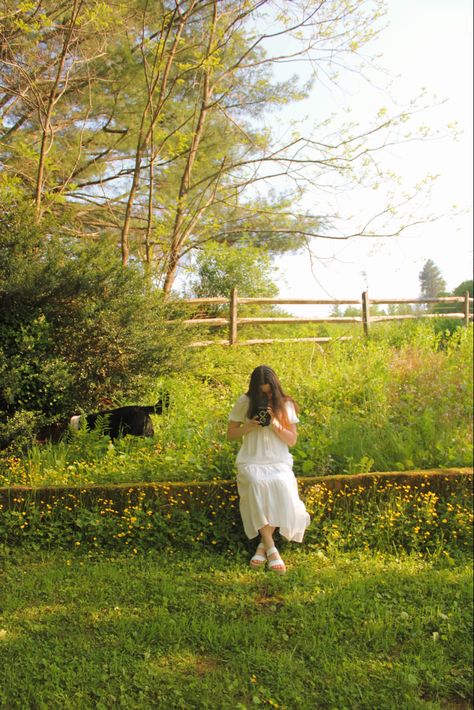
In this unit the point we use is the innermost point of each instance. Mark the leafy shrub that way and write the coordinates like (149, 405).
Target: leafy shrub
(18, 434)
(76, 326)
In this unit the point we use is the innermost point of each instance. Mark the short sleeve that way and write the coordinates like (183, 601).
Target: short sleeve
(291, 411)
(240, 409)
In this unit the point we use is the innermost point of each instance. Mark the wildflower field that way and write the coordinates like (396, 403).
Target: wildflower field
(423, 513)
(400, 401)
(124, 577)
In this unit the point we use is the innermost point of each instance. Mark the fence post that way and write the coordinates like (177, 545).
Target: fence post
(466, 308)
(366, 312)
(233, 317)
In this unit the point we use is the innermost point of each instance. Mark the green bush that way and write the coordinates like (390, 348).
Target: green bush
(76, 326)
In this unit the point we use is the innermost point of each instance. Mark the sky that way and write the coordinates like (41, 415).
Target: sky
(428, 43)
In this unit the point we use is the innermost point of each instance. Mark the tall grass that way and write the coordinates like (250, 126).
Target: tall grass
(400, 400)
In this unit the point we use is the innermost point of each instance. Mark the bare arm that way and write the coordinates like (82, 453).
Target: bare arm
(287, 434)
(237, 430)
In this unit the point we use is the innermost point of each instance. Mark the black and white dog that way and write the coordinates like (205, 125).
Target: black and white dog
(134, 420)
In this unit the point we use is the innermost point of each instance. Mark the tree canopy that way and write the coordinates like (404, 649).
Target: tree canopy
(147, 123)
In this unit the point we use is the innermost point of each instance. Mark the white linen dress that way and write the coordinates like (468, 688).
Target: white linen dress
(267, 486)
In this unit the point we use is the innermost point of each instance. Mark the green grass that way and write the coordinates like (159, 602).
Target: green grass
(175, 630)
(367, 405)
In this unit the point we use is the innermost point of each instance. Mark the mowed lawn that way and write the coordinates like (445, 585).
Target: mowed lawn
(174, 630)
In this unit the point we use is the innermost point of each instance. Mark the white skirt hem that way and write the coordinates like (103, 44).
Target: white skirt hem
(269, 496)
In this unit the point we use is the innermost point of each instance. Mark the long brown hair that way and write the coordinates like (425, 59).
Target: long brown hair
(264, 375)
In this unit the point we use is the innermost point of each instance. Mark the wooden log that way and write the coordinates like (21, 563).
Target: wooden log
(258, 321)
(443, 299)
(366, 312)
(299, 301)
(207, 321)
(292, 340)
(414, 316)
(233, 317)
(205, 343)
(263, 341)
(197, 301)
(333, 302)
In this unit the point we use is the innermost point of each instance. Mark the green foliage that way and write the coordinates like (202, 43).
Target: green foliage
(75, 325)
(364, 405)
(465, 286)
(461, 290)
(429, 514)
(415, 515)
(202, 630)
(20, 429)
(220, 268)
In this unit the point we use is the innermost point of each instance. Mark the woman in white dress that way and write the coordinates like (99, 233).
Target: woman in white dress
(266, 483)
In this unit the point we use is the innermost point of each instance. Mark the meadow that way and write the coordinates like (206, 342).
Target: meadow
(400, 400)
(201, 630)
(140, 595)
(156, 607)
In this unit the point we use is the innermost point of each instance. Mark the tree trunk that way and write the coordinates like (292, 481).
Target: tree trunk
(47, 130)
(143, 141)
(179, 236)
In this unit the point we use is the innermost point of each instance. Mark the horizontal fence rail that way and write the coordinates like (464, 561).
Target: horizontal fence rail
(233, 321)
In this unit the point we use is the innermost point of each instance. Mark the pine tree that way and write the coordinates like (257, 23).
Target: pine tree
(432, 282)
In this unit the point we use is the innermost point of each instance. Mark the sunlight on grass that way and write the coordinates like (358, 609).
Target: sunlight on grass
(35, 613)
(368, 405)
(185, 630)
(185, 663)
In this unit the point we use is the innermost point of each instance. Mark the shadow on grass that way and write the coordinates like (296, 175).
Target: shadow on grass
(205, 631)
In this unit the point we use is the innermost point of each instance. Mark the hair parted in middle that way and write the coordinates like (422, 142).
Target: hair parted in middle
(264, 375)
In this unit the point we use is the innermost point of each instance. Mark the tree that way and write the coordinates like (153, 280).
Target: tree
(49, 51)
(352, 312)
(432, 282)
(219, 268)
(463, 288)
(145, 123)
(400, 309)
(76, 326)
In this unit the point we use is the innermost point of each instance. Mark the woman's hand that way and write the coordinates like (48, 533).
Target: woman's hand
(236, 430)
(287, 434)
(251, 425)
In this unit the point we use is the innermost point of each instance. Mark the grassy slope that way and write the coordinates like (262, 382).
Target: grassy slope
(176, 631)
(400, 401)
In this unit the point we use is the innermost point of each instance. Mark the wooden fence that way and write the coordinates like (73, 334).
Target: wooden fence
(233, 321)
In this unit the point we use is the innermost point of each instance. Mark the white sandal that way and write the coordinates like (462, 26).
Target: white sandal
(258, 560)
(272, 564)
